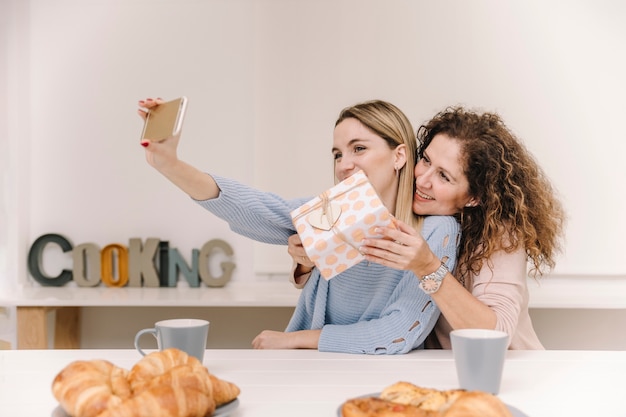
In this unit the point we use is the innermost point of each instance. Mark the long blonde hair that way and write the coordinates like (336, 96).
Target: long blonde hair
(391, 124)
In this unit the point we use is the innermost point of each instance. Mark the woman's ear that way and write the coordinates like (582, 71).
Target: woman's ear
(400, 157)
(473, 202)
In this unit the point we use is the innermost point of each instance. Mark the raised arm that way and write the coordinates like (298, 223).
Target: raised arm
(164, 158)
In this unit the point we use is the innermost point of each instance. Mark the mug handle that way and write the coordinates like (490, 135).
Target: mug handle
(138, 336)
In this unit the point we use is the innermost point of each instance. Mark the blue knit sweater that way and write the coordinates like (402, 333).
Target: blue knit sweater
(368, 308)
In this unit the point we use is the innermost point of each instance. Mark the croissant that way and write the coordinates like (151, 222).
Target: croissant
(168, 383)
(86, 388)
(164, 401)
(157, 363)
(183, 376)
(223, 391)
(162, 366)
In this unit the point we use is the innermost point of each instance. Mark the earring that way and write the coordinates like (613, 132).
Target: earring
(397, 171)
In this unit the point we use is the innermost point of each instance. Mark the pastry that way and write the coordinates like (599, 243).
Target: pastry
(404, 399)
(86, 388)
(166, 383)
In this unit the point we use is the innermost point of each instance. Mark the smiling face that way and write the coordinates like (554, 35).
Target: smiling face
(355, 148)
(441, 187)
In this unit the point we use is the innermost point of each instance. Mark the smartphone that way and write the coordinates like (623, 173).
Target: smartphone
(165, 120)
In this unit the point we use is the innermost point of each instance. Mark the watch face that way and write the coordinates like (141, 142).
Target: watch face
(430, 285)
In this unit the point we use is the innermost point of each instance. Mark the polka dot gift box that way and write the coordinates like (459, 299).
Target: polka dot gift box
(333, 224)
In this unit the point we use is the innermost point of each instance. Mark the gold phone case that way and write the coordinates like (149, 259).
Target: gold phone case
(165, 120)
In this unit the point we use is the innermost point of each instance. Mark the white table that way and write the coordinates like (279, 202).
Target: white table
(309, 383)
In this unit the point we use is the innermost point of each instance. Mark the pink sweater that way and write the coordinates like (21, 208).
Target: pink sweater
(503, 288)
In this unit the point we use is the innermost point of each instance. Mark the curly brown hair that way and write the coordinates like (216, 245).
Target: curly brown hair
(517, 206)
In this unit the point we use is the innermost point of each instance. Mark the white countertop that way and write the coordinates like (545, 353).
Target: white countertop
(234, 294)
(309, 383)
(604, 292)
(558, 291)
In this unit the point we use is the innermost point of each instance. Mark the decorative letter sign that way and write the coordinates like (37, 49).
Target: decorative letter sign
(116, 265)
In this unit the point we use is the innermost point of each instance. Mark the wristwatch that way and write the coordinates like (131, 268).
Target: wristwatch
(430, 283)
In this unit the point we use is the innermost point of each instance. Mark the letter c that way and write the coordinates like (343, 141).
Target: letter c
(34, 261)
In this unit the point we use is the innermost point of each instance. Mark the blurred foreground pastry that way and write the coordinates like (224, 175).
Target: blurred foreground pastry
(404, 399)
(165, 383)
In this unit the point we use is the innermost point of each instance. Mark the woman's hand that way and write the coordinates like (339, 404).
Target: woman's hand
(270, 339)
(402, 248)
(297, 252)
(161, 154)
(302, 339)
(303, 265)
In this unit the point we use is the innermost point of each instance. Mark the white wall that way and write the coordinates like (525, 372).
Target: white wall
(266, 79)
(4, 131)
(90, 64)
(553, 69)
(14, 140)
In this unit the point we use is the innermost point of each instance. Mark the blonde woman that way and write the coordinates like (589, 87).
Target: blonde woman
(368, 308)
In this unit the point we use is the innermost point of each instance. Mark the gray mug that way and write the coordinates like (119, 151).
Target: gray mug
(479, 357)
(188, 335)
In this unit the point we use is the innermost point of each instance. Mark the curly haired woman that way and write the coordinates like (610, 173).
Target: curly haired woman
(512, 221)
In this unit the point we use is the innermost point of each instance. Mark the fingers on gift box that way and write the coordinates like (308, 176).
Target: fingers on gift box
(333, 224)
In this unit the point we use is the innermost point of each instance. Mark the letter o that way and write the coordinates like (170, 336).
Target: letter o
(106, 265)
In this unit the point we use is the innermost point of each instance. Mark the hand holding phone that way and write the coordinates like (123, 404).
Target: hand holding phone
(164, 120)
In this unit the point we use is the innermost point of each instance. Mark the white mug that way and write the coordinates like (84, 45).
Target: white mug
(479, 357)
(188, 335)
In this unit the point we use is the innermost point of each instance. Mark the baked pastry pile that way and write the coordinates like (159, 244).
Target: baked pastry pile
(165, 383)
(404, 399)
